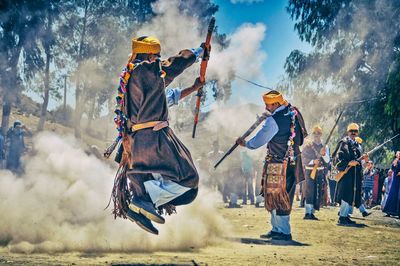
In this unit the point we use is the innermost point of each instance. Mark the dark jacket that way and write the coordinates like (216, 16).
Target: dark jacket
(347, 151)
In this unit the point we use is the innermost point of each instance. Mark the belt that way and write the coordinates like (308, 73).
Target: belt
(156, 125)
(310, 168)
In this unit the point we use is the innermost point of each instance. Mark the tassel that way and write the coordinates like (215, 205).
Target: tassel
(277, 201)
(120, 194)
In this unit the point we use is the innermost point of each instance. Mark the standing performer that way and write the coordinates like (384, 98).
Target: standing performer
(159, 167)
(248, 174)
(283, 133)
(386, 188)
(313, 186)
(348, 189)
(392, 206)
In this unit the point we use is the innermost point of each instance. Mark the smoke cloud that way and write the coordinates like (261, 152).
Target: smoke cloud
(177, 30)
(58, 205)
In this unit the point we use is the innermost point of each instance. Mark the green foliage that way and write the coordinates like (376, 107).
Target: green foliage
(86, 40)
(356, 55)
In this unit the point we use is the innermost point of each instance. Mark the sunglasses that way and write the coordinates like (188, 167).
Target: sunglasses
(353, 131)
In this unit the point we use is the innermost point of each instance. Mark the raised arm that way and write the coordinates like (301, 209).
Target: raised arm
(175, 65)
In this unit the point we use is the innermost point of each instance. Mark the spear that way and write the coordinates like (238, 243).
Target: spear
(203, 68)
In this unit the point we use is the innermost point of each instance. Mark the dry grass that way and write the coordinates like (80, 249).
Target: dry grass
(324, 243)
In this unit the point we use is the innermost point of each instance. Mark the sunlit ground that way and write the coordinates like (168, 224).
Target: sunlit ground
(316, 243)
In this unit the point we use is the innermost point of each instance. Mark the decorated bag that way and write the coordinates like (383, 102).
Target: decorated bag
(274, 187)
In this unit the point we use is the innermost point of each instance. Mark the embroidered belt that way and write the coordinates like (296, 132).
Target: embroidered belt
(156, 125)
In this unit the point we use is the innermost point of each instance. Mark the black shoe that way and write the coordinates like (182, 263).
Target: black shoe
(142, 222)
(387, 215)
(281, 236)
(365, 214)
(147, 209)
(345, 221)
(233, 205)
(310, 216)
(270, 234)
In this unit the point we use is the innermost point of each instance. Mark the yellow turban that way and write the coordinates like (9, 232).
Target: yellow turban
(145, 45)
(274, 97)
(317, 129)
(353, 126)
(359, 140)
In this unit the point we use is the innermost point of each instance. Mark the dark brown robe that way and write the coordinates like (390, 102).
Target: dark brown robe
(158, 151)
(349, 187)
(313, 187)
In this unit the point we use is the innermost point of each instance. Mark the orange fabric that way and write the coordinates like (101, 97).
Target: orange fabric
(156, 125)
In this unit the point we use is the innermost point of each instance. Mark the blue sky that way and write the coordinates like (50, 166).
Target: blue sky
(280, 38)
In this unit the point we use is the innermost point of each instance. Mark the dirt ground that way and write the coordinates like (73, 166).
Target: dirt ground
(316, 243)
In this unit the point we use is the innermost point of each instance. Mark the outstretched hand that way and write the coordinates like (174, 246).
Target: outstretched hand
(240, 141)
(206, 52)
(195, 87)
(353, 163)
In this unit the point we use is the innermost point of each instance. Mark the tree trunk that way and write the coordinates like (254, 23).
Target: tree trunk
(5, 119)
(45, 104)
(91, 114)
(78, 103)
(11, 87)
(47, 49)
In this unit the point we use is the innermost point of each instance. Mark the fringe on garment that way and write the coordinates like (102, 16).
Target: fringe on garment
(167, 209)
(120, 194)
(274, 187)
(277, 201)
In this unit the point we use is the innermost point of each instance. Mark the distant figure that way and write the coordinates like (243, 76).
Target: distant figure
(16, 146)
(382, 173)
(2, 151)
(248, 173)
(315, 154)
(386, 188)
(392, 204)
(368, 183)
(332, 186)
(218, 176)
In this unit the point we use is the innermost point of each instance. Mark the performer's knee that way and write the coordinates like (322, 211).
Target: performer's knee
(186, 197)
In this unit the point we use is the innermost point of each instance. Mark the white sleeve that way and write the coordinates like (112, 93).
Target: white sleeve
(326, 157)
